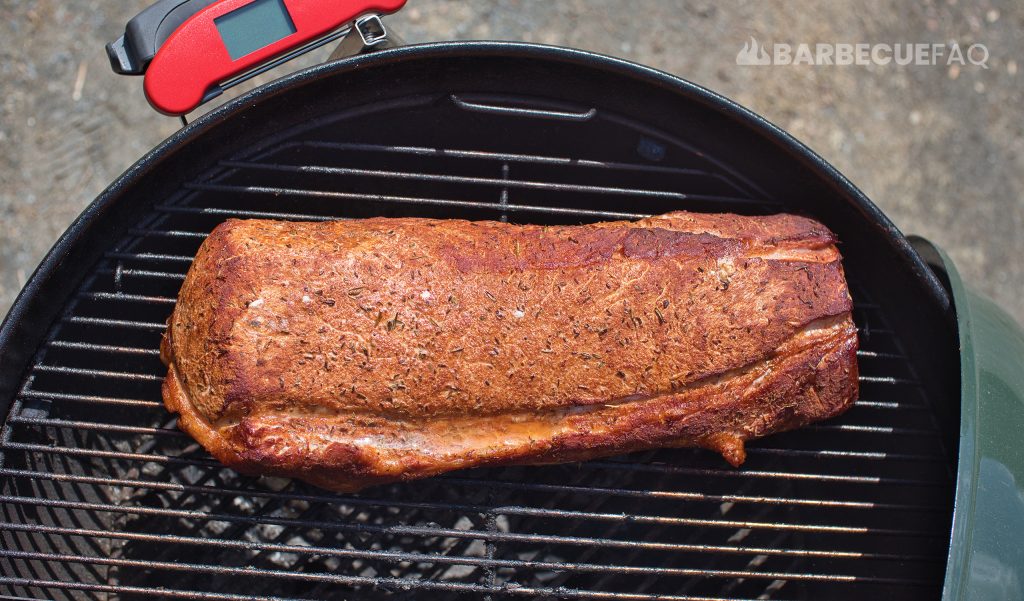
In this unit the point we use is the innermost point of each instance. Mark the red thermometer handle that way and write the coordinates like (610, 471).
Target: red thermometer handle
(195, 57)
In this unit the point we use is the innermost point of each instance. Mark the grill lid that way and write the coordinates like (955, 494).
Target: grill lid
(102, 496)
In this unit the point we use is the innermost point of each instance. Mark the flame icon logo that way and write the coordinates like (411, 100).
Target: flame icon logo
(753, 53)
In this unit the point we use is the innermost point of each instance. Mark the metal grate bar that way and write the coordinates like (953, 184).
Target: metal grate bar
(121, 297)
(241, 213)
(685, 496)
(102, 348)
(411, 584)
(385, 582)
(149, 257)
(635, 517)
(477, 534)
(137, 590)
(464, 204)
(394, 556)
(78, 425)
(168, 233)
(825, 453)
(513, 158)
(504, 510)
(614, 464)
(483, 181)
(96, 373)
(890, 405)
(879, 355)
(116, 323)
(551, 513)
(888, 380)
(119, 274)
(145, 457)
(878, 480)
(864, 429)
(85, 398)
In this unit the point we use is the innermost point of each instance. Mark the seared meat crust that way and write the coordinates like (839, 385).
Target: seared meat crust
(351, 353)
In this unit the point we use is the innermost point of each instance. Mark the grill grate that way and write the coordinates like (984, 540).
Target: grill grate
(102, 497)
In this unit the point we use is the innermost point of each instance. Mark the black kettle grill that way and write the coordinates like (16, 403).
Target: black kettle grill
(102, 497)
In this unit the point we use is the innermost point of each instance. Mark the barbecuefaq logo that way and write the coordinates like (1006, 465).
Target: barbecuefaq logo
(755, 54)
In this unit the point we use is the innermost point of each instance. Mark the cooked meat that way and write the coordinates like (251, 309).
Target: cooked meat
(351, 353)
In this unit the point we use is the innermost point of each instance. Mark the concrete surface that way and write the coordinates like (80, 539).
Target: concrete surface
(939, 148)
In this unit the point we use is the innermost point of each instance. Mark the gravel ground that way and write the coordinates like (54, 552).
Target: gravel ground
(939, 148)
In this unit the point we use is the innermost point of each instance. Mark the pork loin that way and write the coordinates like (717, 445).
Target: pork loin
(351, 353)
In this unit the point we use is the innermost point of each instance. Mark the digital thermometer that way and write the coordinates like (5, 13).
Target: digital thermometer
(188, 48)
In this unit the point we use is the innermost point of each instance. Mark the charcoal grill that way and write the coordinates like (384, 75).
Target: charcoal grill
(103, 497)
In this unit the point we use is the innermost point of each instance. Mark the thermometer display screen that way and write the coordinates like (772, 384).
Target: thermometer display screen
(255, 25)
